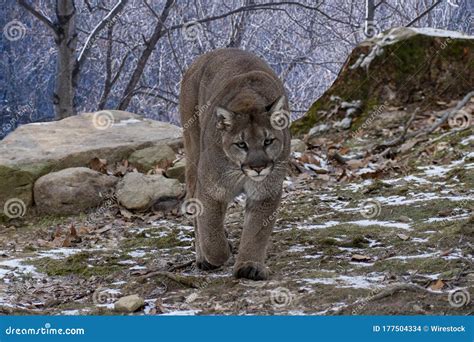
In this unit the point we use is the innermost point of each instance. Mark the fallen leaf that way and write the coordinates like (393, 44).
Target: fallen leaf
(99, 165)
(437, 285)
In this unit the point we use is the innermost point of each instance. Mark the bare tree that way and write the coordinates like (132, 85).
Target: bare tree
(65, 38)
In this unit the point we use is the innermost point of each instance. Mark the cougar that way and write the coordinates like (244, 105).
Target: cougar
(235, 115)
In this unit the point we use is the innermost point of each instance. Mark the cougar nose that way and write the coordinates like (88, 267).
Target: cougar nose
(258, 168)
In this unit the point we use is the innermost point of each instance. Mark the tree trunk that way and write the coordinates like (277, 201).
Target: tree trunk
(66, 41)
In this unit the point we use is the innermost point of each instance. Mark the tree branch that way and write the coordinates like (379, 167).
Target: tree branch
(424, 13)
(38, 15)
(92, 36)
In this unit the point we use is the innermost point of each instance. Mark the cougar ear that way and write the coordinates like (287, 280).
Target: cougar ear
(276, 105)
(224, 118)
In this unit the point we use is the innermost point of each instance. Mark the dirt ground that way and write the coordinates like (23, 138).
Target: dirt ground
(401, 243)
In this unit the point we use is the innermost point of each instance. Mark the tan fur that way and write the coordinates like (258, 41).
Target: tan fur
(226, 102)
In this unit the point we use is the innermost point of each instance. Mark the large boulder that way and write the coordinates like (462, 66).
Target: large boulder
(72, 191)
(34, 150)
(137, 191)
(400, 67)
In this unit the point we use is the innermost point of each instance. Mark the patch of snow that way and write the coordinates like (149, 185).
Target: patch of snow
(297, 248)
(16, 267)
(362, 264)
(418, 240)
(388, 224)
(451, 218)
(137, 267)
(315, 256)
(137, 254)
(429, 31)
(181, 313)
(70, 312)
(320, 226)
(126, 122)
(343, 281)
(60, 253)
(354, 187)
(126, 262)
(467, 140)
(416, 256)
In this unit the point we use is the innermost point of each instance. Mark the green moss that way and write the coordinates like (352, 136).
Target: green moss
(78, 264)
(141, 240)
(416, 69)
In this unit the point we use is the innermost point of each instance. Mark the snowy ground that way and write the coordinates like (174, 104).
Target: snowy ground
(336, 249)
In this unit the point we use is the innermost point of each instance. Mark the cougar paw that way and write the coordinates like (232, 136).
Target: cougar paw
(205, 266)
(251, 270)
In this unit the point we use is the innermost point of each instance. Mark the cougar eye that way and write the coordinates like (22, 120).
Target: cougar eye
(241, 144)
(268, 141)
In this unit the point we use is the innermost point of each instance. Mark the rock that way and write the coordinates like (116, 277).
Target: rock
(129, 303)
(404, 219)
(137, 191)
(36, 149)
(298, 145)
(344, 123)
(71, 191)
(318, 129)
(146, 159)
(177, 171)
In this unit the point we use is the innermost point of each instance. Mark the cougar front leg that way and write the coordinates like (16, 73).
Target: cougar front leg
(258, 224)
(212, 248)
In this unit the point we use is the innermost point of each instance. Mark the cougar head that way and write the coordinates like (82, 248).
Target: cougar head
(254, 140)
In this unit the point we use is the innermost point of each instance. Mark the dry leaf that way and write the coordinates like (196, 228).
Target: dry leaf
(99, 165)
(437, 285)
